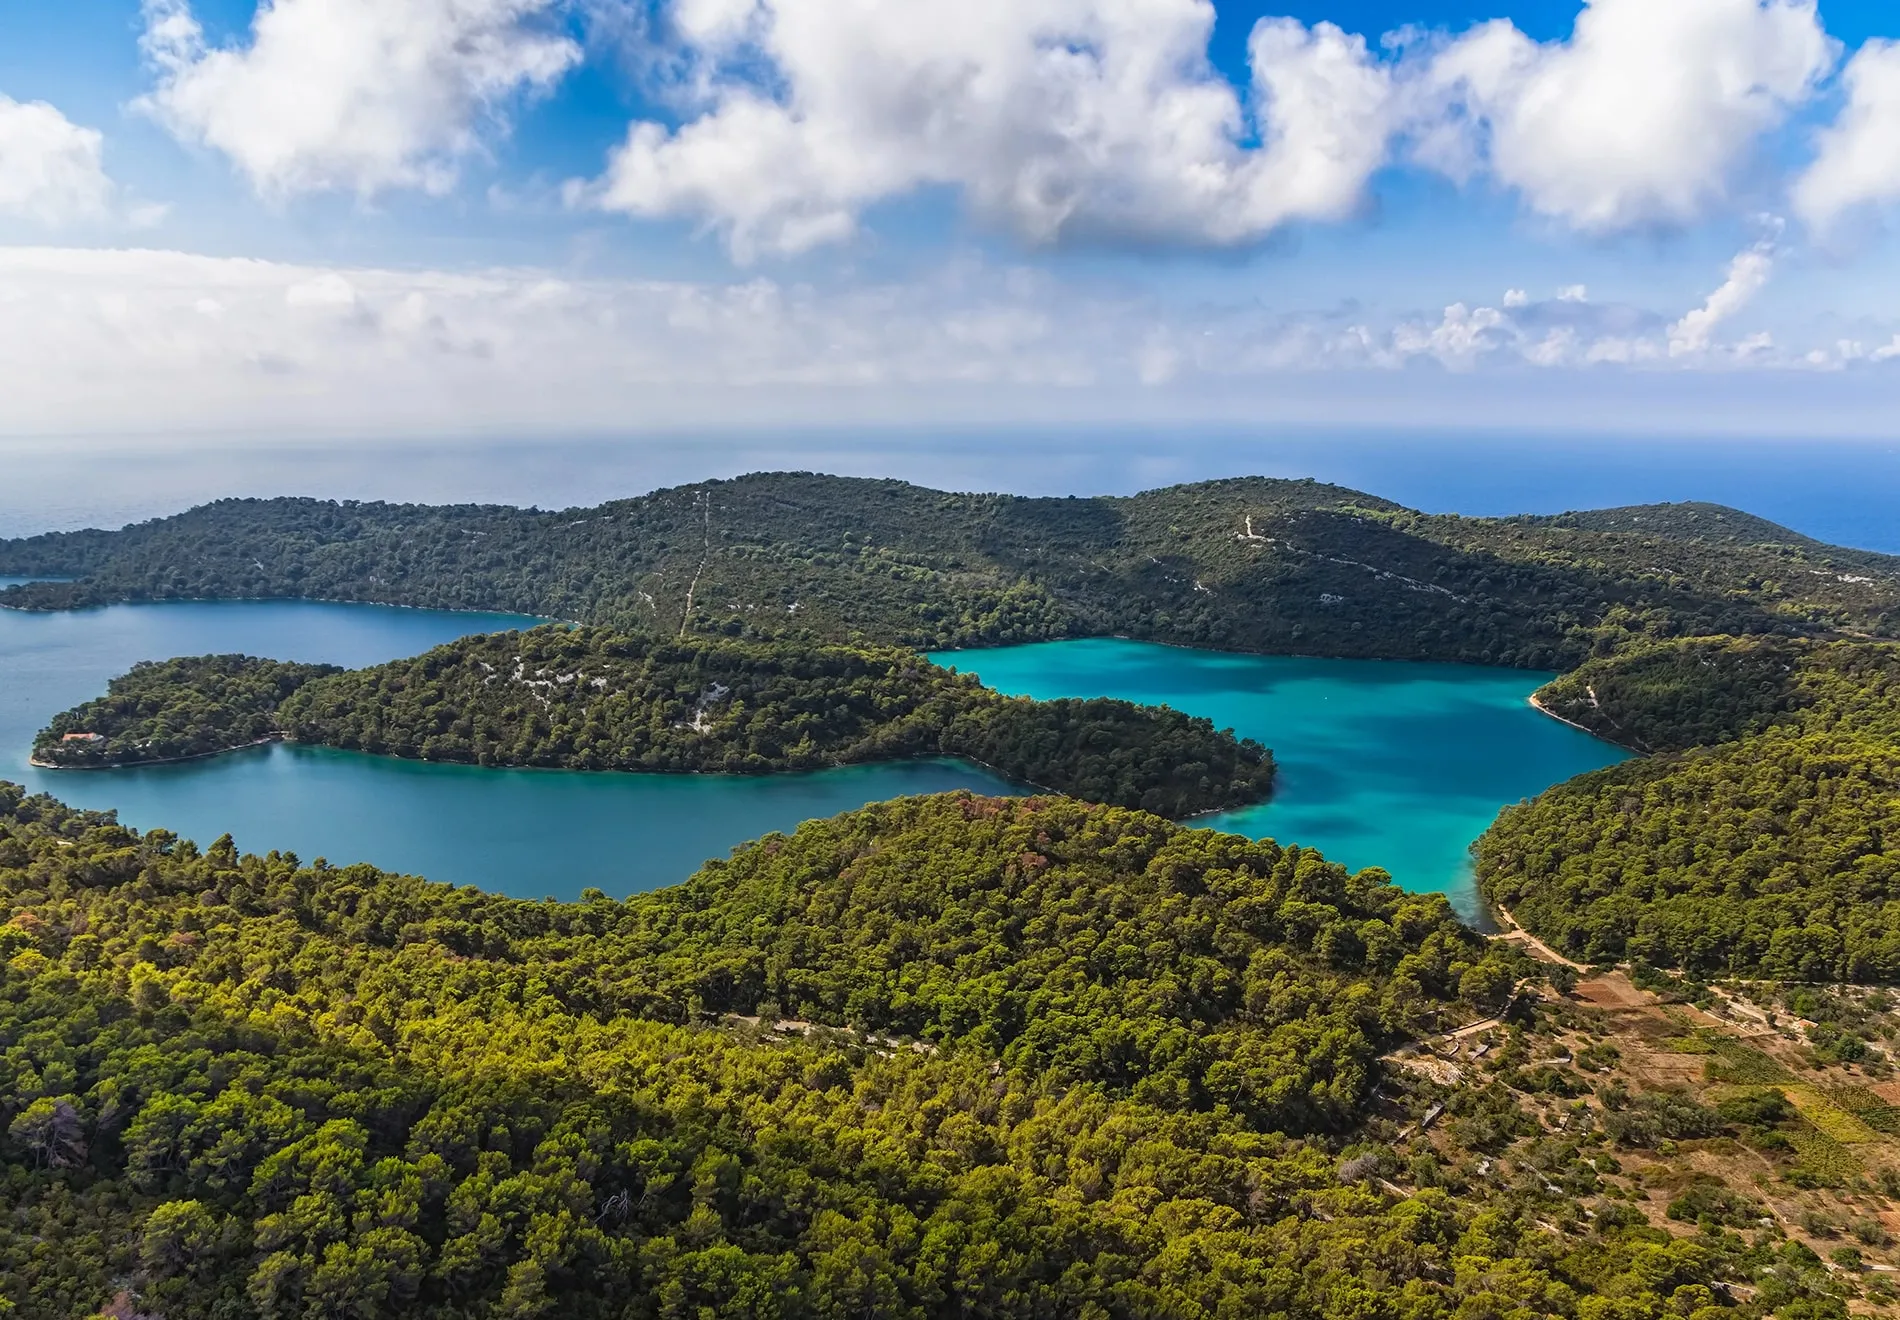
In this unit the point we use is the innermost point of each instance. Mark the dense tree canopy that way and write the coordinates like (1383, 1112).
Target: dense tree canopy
(167, 710)
(1247, 564)
(234, 1086)
(1197, 968)
(593, 699)
(1673, 696)
(1778, 856)
(1775, 851)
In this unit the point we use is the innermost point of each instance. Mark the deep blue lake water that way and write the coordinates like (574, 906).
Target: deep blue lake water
(530, 833)
(1394, 765)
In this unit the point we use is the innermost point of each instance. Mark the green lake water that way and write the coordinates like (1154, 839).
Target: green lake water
(1382, 763)
(1394, 765)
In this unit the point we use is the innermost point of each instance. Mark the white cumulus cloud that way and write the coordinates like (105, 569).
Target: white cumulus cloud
(1640, 118)
(50, 168)
(352, 95)
(1747, 275)
(1459, 340)
(1859, 158)
(1055, 119)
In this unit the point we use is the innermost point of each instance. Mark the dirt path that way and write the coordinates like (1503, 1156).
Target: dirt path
(1740, 1011)
(706, 554)
(1516, 934)
(1474, 1029)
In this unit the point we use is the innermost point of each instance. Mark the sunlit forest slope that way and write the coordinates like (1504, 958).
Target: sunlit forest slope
(940, 1058)
(1761, 839)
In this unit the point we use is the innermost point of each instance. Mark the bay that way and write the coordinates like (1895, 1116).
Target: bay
(529, 833)
(51, 661)
(1393, 764)
(526, 833)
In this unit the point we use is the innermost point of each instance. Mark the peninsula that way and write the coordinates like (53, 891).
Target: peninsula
(1760, 836)
(595, 699)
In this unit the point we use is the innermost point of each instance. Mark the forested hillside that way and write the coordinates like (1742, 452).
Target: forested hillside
(1706, 690)
(1065, 1062)
(1715, 525)
(1764, 837)
(1249, 564)
(1190, 969)
(594, 699)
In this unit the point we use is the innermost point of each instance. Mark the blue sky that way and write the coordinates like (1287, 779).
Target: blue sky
(433, 216)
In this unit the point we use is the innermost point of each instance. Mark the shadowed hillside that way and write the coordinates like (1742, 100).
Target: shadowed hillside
(1246, 564)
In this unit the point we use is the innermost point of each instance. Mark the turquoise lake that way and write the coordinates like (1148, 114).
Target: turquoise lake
(1387, 764)
(1382, 763)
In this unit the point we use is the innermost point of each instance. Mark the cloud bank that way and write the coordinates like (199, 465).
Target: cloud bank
(132, 340)
(1062, 120)
(778, 124)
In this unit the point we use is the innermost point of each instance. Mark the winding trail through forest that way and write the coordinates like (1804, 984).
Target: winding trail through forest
(704, 498)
